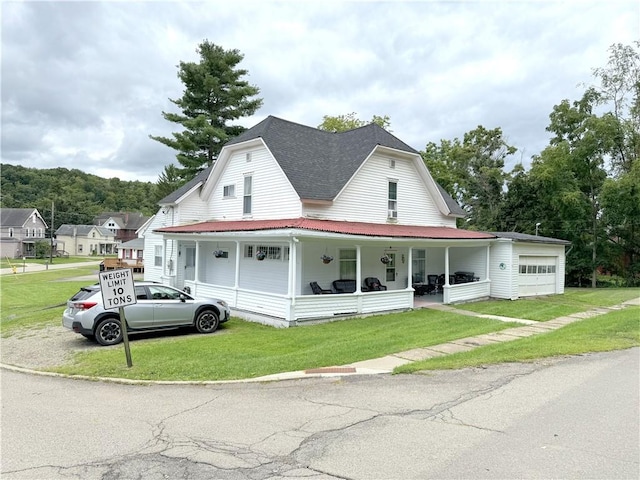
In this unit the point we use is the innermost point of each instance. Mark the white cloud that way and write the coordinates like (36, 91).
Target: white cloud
(84, 83)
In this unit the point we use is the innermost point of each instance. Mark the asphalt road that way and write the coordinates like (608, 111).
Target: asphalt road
(567, 418)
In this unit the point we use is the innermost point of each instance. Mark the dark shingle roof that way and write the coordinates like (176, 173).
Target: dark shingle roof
(524, 237)
(15, 217)
(174, 196)
(68, 230)
(318, 163)
(125, 220)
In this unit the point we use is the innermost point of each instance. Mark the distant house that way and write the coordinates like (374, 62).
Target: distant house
(20, 229)
(124, 225)
(86, 240)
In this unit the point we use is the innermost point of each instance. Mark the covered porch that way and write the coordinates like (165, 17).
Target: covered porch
(267, 275)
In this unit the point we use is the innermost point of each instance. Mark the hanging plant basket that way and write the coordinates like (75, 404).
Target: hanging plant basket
(218, 253)
(326, 259)
(260, 255)
(385, 259)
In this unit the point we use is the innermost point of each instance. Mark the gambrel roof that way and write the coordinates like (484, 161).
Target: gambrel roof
(319, 163)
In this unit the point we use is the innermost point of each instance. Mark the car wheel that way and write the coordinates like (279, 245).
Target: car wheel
(207, 321)
(109, 332)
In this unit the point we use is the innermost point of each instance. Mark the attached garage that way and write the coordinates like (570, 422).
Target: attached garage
(526, 265)
(537, 275)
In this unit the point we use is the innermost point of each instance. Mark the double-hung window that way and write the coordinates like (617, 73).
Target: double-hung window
(157, 256)
(393, 199)
(246, 203)
(348, 264)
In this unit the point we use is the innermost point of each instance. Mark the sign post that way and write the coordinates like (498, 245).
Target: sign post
(118, 291)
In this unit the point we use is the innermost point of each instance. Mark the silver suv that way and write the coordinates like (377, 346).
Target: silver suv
(158, 307)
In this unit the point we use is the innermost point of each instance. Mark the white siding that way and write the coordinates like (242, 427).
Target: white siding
(365, 197)
(151, 239)
(503, 271)
(273, 197)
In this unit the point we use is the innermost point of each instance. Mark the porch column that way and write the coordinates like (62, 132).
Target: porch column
(164, 257)
(410, 268)
(358, 269)
(236, 282)
(196, 274)
(488, 262)
(446, 267)
(293, 248)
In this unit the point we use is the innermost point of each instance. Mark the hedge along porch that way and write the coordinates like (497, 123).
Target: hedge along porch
(265, 274)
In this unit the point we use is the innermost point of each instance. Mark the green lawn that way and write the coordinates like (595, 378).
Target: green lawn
(18, 262)
(547, 308)
(244, 350)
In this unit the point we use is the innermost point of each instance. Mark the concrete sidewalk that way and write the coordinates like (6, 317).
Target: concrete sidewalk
(387, 363)
(22, 268)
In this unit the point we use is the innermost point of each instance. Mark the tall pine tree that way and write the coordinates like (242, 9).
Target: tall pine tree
(215, 95)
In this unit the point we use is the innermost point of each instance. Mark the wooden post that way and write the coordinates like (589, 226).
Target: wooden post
(125, 337)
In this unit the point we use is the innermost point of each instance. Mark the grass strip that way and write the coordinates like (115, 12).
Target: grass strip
(547, 308)
(612, 331)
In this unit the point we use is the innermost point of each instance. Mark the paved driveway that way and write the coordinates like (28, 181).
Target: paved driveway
(568, 418)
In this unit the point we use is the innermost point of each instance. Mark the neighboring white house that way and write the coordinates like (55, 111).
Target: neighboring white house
(287, 205)
(79, 240)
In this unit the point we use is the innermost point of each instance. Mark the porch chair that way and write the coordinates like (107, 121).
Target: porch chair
(317, 290)
(372, 284)
(432, 282)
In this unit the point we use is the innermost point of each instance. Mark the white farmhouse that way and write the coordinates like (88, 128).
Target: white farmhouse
(293, 224)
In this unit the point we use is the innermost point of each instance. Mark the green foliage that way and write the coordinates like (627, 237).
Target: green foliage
(77, 196)
(214, 95)
(343, 123)
(472, 172)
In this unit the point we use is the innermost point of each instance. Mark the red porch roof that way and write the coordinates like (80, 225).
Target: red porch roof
(330, 226)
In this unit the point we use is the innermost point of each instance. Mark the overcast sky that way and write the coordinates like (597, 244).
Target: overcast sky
(84, 84)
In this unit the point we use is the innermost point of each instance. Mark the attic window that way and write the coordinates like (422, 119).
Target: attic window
(248, 157)
(392, 163)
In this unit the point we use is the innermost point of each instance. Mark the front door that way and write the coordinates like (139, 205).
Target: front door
(391, 272)
(190, 263)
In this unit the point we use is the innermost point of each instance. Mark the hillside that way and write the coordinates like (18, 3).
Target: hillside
(77, 196)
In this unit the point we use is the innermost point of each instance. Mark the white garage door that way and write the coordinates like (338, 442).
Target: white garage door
(537, 276)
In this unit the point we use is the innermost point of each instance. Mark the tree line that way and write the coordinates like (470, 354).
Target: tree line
(76, 197)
